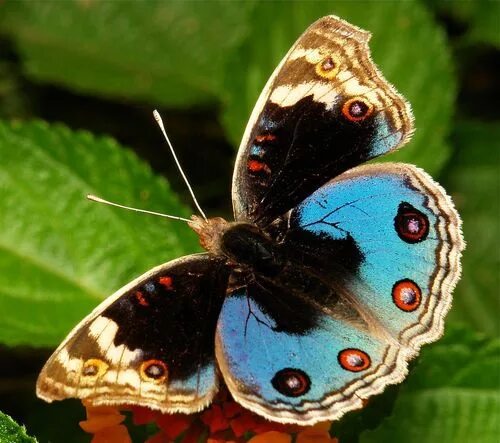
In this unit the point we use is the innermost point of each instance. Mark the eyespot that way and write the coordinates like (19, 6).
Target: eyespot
(412, 226)
(291, 382)
(357, 109)
(153, 370)
(328, 67)
(94, 368)
(354, 360)
(406, 295)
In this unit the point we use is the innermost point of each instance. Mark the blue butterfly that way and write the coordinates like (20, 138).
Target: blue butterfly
(328, 282)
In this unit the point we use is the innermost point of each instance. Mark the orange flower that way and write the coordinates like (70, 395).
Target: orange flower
(225, 421)
(105, 423)
(271, 437)
(316, 434)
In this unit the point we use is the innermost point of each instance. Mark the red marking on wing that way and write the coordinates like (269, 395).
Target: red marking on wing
(265, 138)
(258, 166)
(141, 299)
(166, 282)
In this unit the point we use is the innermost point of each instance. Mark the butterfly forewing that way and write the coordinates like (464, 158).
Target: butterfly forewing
(150, 344)
(325, 109)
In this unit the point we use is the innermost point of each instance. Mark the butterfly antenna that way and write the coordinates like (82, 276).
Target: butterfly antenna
(162, 127)
(159, 214)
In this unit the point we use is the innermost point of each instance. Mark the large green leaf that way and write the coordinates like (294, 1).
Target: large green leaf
(168, 52)
(473, 175)
(409, 47)
(485, 20)
(11, 432)
(61, 254)
(452, 395)
(479, 18)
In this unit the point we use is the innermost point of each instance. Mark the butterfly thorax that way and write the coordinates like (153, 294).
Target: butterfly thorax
(242, 244)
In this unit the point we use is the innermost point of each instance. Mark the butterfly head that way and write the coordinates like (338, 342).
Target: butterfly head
(210, 231)
(242, 244)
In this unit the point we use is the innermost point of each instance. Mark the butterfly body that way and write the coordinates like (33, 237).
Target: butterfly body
(328, 282)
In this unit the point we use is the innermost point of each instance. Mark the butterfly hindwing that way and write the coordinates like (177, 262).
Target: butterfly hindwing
(325, 109)
(307, 376)
(385, 241)
(150, 344)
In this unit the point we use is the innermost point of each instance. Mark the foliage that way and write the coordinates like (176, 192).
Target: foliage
(450, 395)
(77, 252)
(60, 254)
(11, 432)
(474, 177)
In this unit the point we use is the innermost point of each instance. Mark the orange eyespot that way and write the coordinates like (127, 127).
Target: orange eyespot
(357, 109)
(328, 67)
(354, 360)
(406, 295)
(94, 368)
(153, 370)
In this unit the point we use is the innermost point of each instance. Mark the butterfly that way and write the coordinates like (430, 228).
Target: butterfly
(328, 282)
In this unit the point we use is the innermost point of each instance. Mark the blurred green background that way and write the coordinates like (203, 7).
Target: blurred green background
(78, 82)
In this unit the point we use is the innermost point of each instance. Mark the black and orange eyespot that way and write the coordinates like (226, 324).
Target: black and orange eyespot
(357, 109)
(406, 295)
(291, 382)
(153, 370)
(94, 368)
(328, 67)
(354, 360)
(411, 225)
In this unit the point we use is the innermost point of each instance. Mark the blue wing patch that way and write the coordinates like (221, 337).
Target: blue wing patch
(394, 241)
(312, 376)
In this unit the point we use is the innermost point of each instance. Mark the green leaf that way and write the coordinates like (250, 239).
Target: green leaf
(484, 26)
(11, 432)
(409, 47)
(452, 395)
(473, 175)
(480, 18)
(171, 53)
(61, 254)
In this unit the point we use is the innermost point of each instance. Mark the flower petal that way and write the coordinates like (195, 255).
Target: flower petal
(98, 423)
(271, 437)
(115, 434)
(141, 415)
(174, 424)
(314, 437)
(214, 418)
